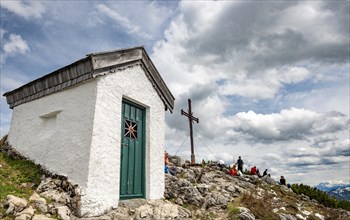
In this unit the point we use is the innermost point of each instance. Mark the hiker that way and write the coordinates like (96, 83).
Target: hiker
(258, 173)
(167, 168)
(240, 164)
(171, 170)
(265, 173)
(283, 181)
(166, 157)
(221, 164)
(233, 171)
(253, 170)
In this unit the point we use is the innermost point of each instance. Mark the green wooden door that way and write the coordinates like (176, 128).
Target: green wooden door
(132, 167)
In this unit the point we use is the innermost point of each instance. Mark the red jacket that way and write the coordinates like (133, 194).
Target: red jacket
(233, 172)
(253, 170)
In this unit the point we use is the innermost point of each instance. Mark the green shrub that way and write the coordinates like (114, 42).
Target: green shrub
(260, 207)
(232, 211)
(320, 196)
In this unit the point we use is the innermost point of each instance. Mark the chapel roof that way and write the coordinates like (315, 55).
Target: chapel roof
(93, 65)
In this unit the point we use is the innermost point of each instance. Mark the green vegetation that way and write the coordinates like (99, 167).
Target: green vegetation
(17, 177)
(320, 196)
(261, 207)
(232, 211)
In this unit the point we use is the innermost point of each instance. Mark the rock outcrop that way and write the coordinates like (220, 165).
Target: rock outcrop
(196, 192)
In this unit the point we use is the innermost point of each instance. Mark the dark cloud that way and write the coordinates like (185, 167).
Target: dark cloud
(251, 33)
(323, 140)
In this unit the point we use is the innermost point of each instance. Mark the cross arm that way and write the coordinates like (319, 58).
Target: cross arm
(190, 116)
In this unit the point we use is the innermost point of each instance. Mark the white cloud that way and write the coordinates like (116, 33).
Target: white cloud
(314, 14)
(16, 44)
(294, 74)
(24, 9)
(251, 88)
(122, 21)
(289, 124)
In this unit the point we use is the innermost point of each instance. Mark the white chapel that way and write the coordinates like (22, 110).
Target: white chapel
(98, 121)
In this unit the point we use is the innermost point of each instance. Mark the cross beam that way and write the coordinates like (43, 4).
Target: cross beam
(191, 118)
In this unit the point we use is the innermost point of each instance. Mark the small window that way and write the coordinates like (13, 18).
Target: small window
(49, 124)
(130, 129)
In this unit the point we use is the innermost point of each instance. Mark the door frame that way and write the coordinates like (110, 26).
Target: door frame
(143, 156)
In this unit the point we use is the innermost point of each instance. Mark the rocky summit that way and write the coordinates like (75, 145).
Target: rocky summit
(196, 192)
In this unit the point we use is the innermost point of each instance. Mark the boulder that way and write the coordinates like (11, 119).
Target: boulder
(184, 213)
(144, 211)
(14, 204)
(245, 214)
(190, 175)
(57, 196)
(206, 178)
(166, 211)
(191, 196)
(215, 199)
(22, 217)
(176, 160)
(287, 217)
(300, 217)
(26, 214)
(203, 188)
(179, 201)
(321, 217)
(46, 184)
(269, 180)
(183, 183)
(39, 202)
(63, 212)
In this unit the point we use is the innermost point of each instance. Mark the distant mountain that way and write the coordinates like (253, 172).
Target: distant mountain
(337, 189)
(342, 193)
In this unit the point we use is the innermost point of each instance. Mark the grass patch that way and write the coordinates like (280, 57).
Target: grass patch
(232, 211)
(17, 177)
(189, 206)
(260, 207)
(14, 173)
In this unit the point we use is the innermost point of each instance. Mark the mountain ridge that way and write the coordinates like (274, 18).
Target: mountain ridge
(339, 189)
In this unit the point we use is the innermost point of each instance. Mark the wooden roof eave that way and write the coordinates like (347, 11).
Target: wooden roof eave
(89, 67)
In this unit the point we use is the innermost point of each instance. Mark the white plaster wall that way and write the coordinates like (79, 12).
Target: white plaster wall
(60, 143)
(102, 190)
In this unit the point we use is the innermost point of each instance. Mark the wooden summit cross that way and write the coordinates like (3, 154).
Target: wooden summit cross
(191, 118)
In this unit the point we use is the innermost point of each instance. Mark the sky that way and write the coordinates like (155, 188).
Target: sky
(269, 80)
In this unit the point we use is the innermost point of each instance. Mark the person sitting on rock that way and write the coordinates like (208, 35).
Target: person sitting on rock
(283, 181)
(233, 171)
(265, 173)
(167, 168)
(258, 173)
(166, 157)
(171, 170)
(221, 164)
(253, 170)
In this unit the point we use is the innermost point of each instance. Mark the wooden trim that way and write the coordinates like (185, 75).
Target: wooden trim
(88, 68)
